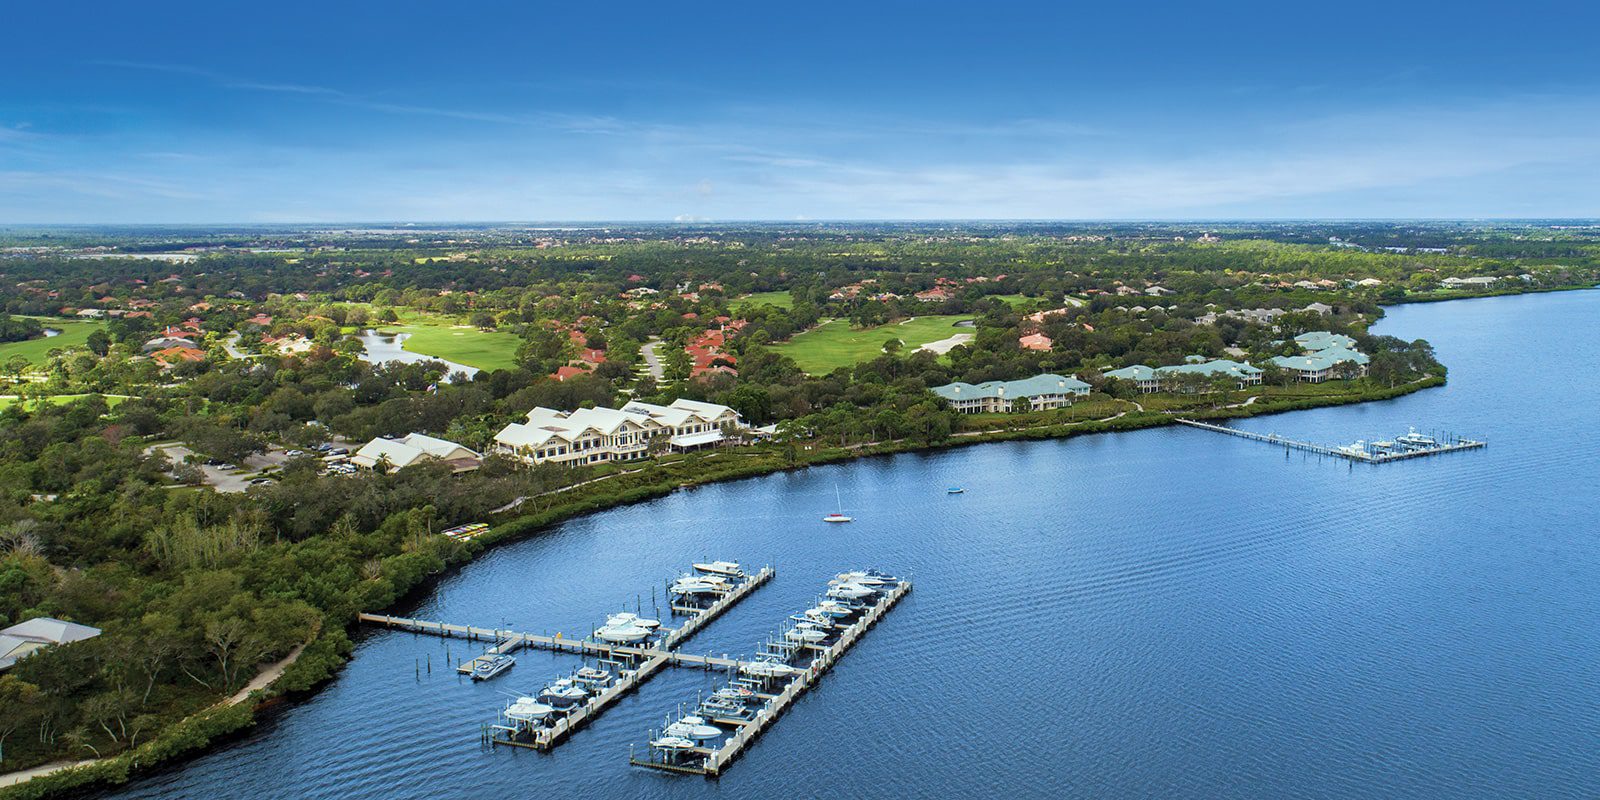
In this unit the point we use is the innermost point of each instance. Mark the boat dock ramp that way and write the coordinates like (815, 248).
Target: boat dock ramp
(762, 689)
(1401, 449)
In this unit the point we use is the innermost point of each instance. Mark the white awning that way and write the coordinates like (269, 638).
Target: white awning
(697, 439)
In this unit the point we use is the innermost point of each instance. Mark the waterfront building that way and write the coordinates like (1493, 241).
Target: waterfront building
(1153, 379)
(1325, 351)
(1041, 392)
(598, 435)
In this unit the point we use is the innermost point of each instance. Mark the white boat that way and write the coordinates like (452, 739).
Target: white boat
(591, 676)
(734, 694)
(627, 633)
(837, 516)
(625, 618)
(728, 568)
(865, 578)
(836, 609)
(693, 586)
(528, 710)
(487, 667)
(767, 669)
(1415, 440)
(719, 708)
(807, 635)
(1359, 449)
(692, 727)
(851, 591)
(673, 743)
(563, 693)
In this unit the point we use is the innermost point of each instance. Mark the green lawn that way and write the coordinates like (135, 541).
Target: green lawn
(7, 401)
(835, 344)
(1015, 300)
(779, 299)
(74, 333)
(482, 349)
(452, 340)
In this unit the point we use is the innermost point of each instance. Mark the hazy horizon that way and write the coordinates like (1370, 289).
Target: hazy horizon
(321, 114)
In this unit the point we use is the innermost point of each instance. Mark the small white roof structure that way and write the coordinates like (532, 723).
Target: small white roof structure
(22, 639)
(408, 450)
(697, 439)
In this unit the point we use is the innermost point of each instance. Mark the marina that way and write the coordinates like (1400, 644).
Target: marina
(1408, 445)
(628, 649)
(785, 667)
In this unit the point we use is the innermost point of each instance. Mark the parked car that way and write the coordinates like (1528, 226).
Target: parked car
(227, 466)
(262, 481)
(338, 451)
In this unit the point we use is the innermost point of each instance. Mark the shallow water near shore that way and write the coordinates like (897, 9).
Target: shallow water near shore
(1167, 612)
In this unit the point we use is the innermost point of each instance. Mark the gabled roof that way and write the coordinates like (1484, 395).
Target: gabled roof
(1028, 387)
(49, 629)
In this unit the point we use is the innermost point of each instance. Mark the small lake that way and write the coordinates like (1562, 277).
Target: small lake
(49, 332)
(379, 347)
(1165, 613)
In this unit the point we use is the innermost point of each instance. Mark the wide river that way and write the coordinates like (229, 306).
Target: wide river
(1164, 613)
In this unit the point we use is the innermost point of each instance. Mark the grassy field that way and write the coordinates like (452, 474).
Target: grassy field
(835, 344)
(779, 299)
(74, 333)
(1015, 300)
(452, 340)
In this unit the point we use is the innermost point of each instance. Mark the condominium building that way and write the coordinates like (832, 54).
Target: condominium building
(597, 435)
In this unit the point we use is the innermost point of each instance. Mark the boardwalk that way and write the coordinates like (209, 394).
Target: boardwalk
(1354, 455)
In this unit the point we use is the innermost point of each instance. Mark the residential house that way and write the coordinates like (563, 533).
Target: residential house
(1036, 341)
(1041, 392)
(25, 638)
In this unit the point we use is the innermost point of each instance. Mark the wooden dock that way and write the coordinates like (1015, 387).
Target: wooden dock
(717, 760)
(1323, 450)
(649, 659)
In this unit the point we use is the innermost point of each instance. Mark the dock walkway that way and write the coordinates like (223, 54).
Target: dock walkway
(649, 658)
(717, 760)
(1365, 457)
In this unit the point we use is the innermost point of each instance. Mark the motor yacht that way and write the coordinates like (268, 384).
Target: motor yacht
(487, 667)
(563, 693)
(729, 568)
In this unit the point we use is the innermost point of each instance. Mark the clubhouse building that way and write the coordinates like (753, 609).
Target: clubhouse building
(1041, 392)
(598, 435)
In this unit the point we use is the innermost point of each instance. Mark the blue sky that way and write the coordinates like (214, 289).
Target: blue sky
(289, 112)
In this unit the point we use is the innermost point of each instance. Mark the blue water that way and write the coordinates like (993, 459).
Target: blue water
(1164, 613)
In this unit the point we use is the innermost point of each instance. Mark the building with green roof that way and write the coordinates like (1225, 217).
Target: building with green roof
(1042, 392)
(1153, 379)
(1325, 353)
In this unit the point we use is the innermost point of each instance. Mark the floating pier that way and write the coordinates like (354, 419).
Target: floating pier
(711, 761)
(646, 658)
(1361, 451)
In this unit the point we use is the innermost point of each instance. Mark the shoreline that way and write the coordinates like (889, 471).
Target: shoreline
(203, 731)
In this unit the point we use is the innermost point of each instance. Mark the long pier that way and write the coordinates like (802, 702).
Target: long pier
(715, 760)
(1363, 456)
(648, 658)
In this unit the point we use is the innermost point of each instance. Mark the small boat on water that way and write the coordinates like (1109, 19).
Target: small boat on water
(1414, 440)
(719, 708)
(671, 743)
(486, 667)
(734, 694)
(767, 669)
(837, 516)
(700, 585)
(592, 677)
(622, 634)
(869, 577)
(729, 568)
(692, 727)
(563, 693)
(805, 635)
(836, 609)
(954, 490)
(528, 710)
(851, 591)
(625, 618)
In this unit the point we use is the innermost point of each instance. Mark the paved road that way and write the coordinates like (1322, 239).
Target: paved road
(652, 359)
